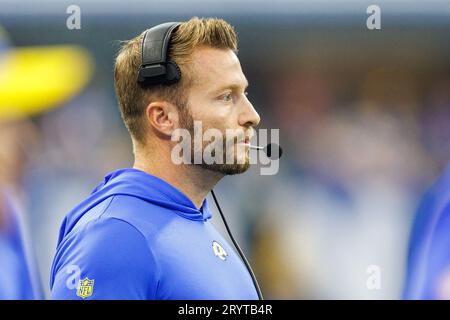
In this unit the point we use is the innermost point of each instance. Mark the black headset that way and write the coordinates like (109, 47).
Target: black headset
(157, 69)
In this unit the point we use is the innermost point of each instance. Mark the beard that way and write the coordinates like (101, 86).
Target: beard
(225, 168)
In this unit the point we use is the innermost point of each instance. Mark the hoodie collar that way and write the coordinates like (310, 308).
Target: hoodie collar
(140, 184)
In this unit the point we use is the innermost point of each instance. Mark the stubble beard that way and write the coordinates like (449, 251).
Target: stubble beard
(187, 122)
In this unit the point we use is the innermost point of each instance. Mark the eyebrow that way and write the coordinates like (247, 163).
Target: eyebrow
(232, 86)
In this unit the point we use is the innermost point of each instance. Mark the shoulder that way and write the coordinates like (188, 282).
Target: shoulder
(119, 222)
(109, 250)
(147, 218)
(136, 215)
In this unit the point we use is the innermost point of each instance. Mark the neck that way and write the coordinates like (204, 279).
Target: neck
(192, 180)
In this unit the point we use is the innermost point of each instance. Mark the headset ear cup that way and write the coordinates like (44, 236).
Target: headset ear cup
(173, 72)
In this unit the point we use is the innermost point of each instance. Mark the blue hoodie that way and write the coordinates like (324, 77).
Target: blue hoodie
(19, 277)
(138, 237)
(428, 270)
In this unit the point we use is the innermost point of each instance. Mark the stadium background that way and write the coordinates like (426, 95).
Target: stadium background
(363, 118)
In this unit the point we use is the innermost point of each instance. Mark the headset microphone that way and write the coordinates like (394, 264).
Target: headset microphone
(272, 150)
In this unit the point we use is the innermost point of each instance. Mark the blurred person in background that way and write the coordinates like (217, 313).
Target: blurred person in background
(428, 264)
(428, 271)
(19, 278)
(32, 81)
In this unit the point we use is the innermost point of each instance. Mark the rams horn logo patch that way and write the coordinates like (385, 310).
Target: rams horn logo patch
(219, 251)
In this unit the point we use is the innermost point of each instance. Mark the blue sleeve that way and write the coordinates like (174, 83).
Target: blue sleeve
(108, 259)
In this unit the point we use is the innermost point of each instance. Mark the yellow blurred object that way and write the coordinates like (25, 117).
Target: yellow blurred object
(35, 79)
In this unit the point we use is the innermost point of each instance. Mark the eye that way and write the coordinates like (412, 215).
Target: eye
(227, 97)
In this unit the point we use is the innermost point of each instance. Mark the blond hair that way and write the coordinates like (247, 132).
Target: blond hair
(133, 99)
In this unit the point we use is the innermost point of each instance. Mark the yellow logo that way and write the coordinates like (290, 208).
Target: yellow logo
(85, 288)
(219, 251)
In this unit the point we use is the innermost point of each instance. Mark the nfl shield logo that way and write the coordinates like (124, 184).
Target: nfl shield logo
(85, 288)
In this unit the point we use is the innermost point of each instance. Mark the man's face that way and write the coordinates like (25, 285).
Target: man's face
(218, 99)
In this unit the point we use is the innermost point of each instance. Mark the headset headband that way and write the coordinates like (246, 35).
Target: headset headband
(155, 68)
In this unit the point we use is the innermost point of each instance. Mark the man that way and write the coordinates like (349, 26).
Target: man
(428, 273)
(145, 232)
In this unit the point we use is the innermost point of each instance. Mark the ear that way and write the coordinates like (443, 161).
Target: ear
(162, 117)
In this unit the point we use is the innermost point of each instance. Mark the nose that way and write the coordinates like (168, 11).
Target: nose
(248, 117)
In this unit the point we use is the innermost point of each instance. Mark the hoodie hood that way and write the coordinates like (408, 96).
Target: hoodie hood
(139, 184)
